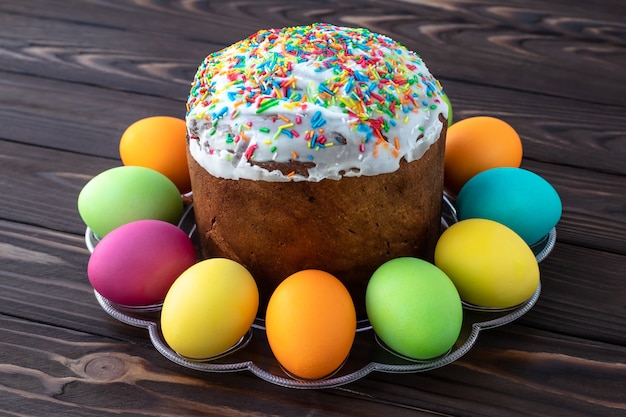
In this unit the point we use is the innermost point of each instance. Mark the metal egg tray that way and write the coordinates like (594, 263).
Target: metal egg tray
(368, 354)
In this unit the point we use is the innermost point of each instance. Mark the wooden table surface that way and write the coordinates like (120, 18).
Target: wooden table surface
(74, 74)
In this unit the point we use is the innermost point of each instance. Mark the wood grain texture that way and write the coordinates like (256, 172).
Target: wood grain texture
(577, 284)
(594, 205)
(75, 73)
(46, 370)
(88, 121)
(43, 279)
(41, 186)
(594, 202)
(529, 45)
(37, 258)
(92, 119)
(553, 130)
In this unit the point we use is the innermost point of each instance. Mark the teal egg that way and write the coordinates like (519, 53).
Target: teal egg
(127, 193)
(515, 197)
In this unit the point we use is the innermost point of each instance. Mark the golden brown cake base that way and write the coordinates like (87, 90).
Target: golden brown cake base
(347, 227)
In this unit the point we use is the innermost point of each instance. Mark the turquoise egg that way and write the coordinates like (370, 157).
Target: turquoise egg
(515, 197)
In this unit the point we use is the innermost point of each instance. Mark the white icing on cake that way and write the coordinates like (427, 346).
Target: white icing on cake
(339, 101)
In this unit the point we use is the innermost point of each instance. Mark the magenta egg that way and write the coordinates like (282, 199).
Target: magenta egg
(136, 264)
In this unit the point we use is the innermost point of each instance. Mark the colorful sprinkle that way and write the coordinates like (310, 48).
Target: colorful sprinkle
(373, 88)
(250, 151)
(267, 104)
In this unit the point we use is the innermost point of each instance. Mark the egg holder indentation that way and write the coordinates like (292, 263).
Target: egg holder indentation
(368, 355)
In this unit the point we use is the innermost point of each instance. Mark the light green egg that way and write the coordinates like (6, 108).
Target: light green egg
(124, 194)
(446, 100)
(414, 308)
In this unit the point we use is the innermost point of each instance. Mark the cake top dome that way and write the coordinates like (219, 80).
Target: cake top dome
(312, 102)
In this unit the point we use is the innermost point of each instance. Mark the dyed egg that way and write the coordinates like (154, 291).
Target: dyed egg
(490, 265)
(124, 194)
(477, 144)
(446, 100)
(414, 308)
(311, 324)
(136, 263)
(209, 308)
(515, 197)
(159, 143)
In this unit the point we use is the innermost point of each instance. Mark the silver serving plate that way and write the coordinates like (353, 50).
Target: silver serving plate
(368, 354)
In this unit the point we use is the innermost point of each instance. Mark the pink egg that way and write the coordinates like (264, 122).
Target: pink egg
(135, 264)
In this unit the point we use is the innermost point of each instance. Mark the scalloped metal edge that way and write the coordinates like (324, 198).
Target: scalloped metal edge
(205, 366)
(541, 248)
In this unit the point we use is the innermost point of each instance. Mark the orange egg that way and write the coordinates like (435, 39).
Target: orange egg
(159, 143)
(477, 144)
(311, 324)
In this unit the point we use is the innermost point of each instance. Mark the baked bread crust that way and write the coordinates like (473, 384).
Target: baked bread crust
(346, 227)
(316, 147)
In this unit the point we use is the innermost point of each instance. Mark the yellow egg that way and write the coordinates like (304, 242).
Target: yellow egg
(490, 265)
(311, 324)
(209, 308)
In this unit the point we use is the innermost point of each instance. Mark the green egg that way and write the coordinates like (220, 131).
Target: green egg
(124, 194)
(446, 100)
(414, 308)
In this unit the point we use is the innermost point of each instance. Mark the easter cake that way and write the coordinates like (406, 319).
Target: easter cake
(316, 147)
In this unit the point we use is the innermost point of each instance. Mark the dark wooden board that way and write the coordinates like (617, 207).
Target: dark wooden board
(88, 121)
(578, 284)
(74, 74)
(40, 186)
(594, 205)
(533, 380)
(553, 130)
(45, 280)
(519, 45)
(53, 371)
(92, 119)
(593, 202)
